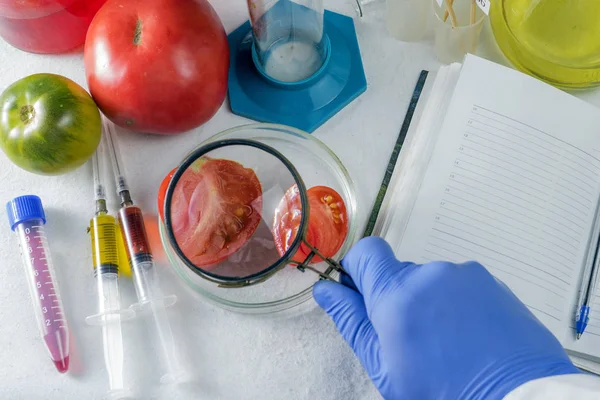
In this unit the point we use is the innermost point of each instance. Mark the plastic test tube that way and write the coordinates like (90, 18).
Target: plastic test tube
(26, 217)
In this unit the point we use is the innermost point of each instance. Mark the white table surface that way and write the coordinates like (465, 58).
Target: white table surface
(236, 356)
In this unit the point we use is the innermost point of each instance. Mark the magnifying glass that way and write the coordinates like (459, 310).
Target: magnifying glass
(237, 211)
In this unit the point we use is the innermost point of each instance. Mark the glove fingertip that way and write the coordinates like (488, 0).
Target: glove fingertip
(322, 293)
(331, 296)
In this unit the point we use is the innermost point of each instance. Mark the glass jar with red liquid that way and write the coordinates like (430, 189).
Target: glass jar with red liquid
(46, 26)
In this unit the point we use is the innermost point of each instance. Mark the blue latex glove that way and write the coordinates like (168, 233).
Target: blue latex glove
(439, 330)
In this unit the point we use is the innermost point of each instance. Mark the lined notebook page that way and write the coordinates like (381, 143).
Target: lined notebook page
(513, 183)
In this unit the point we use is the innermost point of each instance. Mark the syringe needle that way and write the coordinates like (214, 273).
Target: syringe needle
(117, 163)
(99, 191)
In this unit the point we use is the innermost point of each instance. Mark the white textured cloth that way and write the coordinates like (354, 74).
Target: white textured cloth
(298, 356)
(579, 387)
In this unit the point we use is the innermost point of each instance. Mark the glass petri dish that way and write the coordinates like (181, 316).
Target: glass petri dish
(317, 166)
(555, 41)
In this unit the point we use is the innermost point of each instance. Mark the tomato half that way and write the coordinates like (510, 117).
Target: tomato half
(327, 224)
(215, 209)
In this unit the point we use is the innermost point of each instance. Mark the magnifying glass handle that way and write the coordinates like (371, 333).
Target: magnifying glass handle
(334, 266)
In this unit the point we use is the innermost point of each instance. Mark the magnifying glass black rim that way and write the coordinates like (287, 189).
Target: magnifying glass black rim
(189, 160)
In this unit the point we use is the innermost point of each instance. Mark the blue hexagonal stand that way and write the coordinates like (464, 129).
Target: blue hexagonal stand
(307, 104)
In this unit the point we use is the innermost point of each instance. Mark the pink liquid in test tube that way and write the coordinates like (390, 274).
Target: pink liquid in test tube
(27, 219)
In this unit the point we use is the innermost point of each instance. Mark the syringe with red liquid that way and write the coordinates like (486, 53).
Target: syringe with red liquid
(26, 217)
(145, 277)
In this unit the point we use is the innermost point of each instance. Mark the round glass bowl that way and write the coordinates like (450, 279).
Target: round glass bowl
(317, 165)
(555, 41)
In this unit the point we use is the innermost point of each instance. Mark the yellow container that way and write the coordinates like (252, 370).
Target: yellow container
(557, 41)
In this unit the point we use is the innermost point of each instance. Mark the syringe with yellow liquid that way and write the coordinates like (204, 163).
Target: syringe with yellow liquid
(105, 236)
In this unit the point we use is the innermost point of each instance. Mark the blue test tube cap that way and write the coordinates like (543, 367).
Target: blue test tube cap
(24, 208)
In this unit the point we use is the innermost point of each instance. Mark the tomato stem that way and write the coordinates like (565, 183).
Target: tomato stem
(137, 35)
(27, 113)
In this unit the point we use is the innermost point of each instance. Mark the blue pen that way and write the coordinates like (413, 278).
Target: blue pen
(586, 296)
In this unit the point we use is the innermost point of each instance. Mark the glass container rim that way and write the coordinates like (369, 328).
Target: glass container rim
(271, 306)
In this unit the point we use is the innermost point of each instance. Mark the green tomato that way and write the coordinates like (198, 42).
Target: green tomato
(49, 125)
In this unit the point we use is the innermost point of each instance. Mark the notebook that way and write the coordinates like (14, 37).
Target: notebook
(504, 169)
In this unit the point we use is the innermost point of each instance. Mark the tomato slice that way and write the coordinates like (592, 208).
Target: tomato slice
(215, 209)
(162, 193)
(327, 224)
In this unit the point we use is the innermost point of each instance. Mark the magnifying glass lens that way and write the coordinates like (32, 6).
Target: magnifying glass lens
(237, 211)
(223, 207)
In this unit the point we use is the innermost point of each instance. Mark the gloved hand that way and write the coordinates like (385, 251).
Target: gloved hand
(439, 330)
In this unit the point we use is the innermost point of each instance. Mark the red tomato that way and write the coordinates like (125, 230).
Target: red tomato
(327, 224)
(216, 207)
(157, 66)
(153, 233)
(162, 193)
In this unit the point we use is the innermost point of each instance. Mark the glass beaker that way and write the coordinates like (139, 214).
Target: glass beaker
(46, 26)
(289, 42)
(555, 41)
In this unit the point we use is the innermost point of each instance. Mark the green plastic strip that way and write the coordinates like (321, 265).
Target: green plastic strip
(395, 153)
